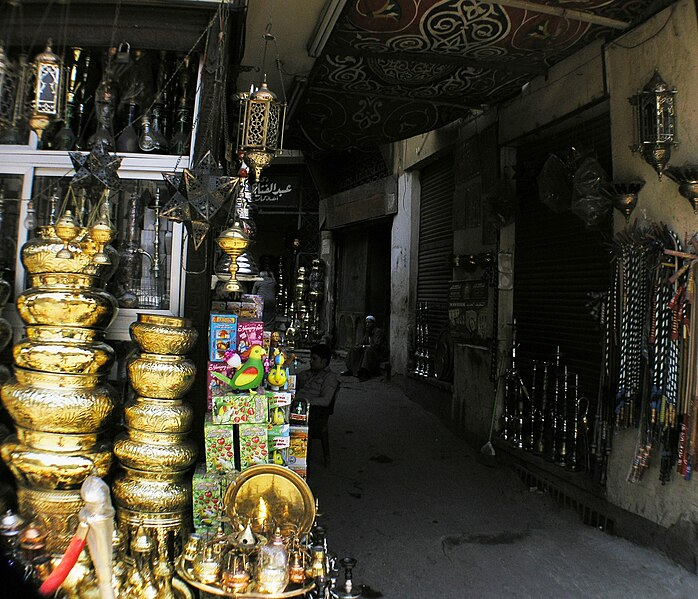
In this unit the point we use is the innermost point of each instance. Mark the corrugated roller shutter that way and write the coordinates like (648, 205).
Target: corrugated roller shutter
(436, 244)
(560, 266)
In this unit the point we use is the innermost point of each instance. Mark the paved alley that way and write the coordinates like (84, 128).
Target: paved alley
(426, 520)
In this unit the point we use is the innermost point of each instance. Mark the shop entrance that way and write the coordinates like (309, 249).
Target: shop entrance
(363, 279)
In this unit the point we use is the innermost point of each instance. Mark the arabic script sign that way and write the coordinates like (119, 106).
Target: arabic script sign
(278, 192)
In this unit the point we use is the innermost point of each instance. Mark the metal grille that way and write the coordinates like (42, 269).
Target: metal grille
(559, 265)
(435, 245)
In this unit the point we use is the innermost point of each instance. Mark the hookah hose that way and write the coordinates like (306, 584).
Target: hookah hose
(69, 559)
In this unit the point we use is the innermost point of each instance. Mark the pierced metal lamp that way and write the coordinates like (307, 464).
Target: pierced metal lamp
(687, 178)
(261, 131)
(623, 195)
(46, 107)
(655, 122)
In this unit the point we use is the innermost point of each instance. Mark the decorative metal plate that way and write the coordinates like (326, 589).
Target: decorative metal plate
(286, 496)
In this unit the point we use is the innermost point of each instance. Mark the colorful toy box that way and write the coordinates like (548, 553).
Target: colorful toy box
(219, 442)
(254, 445)
(279, 403)
(240, 408)
(258, 302)
(249, 334)
(222, 335)
(279, 442)
(298, 450)
(208, 491)
(216, 387)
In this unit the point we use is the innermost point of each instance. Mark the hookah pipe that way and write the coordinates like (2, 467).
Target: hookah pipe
(96, 528)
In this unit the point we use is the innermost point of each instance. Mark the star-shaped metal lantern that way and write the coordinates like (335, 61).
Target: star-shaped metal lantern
(197, 195)
(96, 170)
(207, 187)
(197, 230)
(177, 207)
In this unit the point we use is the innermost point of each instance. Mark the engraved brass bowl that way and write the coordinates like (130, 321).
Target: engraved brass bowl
(40, 255)
(69, 443)
(166, 335)
(51, 469)
(70, 306)
(59, 512)
(164, 377)
(58, 403)
(74, 350)
(155, 452)
(158, 415)
(154, 492)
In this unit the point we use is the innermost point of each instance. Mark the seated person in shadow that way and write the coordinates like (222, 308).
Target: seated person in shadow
(317, 384)
(364, 360)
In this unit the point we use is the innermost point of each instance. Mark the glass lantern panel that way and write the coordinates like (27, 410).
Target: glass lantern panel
(10, 194)
(144, 242)
(47, 89)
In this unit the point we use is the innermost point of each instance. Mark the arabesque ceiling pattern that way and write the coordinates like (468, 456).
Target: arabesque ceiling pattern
(392, 69)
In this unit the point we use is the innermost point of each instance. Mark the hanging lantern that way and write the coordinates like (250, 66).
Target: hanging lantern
(261, 131)
(655, 122)
(8, 85)
(47, 69)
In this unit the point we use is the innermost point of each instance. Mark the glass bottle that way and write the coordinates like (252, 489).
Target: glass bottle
(128, 139)
(105, 102)
(272, 566)
(158, 129)
(147, 141)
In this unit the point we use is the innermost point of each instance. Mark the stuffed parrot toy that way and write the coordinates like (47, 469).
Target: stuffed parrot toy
(251, 371)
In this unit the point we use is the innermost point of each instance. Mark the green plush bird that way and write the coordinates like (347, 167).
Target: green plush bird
(251, 372)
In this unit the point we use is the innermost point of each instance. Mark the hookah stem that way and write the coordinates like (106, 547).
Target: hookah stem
(532, 413)
(687, 399)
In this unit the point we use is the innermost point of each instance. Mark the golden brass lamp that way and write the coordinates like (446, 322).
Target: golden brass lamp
(48, 69)
(655, 122)
(260, 135)
(233, 242)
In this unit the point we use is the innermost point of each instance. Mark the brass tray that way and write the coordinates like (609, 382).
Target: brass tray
(287, 498)
(188, 576)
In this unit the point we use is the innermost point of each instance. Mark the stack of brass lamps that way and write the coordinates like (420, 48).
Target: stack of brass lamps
(59, 398)
(152, 488)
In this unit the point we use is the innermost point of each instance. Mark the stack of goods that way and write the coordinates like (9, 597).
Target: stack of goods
(250, 393)
(152, 489)
(276, 547)
(59, 398)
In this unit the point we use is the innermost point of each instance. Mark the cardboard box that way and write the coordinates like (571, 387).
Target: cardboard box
(254, 445)
(249, 334)
(219, 441)
(208, 491)
(216, 387)
(222, 335)
(279, 407)
(243, 310)
(240, 408)
(258, 302)
(298, 448)
(279, 442)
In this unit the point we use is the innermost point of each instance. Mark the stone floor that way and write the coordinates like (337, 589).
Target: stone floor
(425, 519)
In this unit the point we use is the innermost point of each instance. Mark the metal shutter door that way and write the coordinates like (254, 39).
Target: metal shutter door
(435, 244)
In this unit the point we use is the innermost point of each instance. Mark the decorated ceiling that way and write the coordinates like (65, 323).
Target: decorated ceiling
(392, 69)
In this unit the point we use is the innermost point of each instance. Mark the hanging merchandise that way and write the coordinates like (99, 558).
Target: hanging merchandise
(649, 353)
(588, 201)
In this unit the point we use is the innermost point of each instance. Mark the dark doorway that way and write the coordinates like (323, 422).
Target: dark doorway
(363, 279)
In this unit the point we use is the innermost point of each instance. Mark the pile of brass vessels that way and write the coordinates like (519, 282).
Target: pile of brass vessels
(152, 489)
(59, 398)
(276, 549)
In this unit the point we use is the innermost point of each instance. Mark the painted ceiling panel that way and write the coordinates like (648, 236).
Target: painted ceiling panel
(396, 68)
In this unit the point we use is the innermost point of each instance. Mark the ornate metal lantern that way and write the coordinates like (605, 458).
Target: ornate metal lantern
(261, 131)
(48, 71)
(655, 122)
(8, 84)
